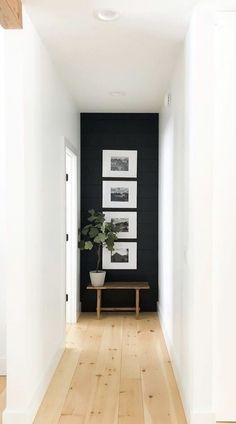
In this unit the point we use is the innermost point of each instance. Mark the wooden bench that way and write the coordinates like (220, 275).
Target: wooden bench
(119, 286)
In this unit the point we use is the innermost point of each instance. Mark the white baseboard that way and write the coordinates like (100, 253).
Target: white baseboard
(27, 416)
(15, 417)
(202, 418)
(3, 366)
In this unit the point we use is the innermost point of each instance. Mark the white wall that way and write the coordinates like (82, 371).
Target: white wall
(197, 220)
(200, 130)
(175, 294)
(2, 214)
(224, 224)
(186, 221)
(39, 113)
(185, 201)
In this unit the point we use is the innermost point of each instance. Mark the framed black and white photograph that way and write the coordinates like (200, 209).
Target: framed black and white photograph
(124, 256)
(119, 194)
(126, 223)
(119, 164)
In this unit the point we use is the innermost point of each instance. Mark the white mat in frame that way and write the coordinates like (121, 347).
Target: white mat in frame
(119, 163)
(119, 194)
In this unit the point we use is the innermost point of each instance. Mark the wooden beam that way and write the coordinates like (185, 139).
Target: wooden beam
(11, 14)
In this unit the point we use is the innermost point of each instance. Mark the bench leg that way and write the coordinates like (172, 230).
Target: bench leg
(99, 295)
(137, 303)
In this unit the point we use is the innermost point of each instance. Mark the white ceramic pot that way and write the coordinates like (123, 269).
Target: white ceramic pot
(97, 278)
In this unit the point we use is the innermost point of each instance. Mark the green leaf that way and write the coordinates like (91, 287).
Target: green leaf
(96, 217)
(99, 226)
(81, 244)
(109, 244)
(85, 230)
(112, 237)
(98, 231)
(100, 238)
(88, 245)
(110, 241)
(93, 232)
(92, 218)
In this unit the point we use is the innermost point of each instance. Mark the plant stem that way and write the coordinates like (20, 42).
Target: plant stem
(99, 257)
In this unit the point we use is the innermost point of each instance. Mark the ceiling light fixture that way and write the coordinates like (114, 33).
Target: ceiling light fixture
(107, 15)
(117, 93)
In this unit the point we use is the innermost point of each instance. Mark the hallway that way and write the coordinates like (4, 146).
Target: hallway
(142, 94)
(116, 370)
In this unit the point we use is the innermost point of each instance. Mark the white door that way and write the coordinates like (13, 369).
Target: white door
(71, 236)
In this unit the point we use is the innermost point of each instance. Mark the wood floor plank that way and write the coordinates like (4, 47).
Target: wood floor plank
(51, 408)
(71, 419)
(104, 400)
(123, 375)
(130, 402)
(130, 398)
(2, 396)
(160, 404)
(130, 367)
(84, 378)
(113, 371)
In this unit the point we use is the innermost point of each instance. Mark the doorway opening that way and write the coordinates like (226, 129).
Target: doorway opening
(71, 234)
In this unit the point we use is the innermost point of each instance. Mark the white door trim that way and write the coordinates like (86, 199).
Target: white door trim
(72, 244)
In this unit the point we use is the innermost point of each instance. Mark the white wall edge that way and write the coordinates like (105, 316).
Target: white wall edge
(3, 365)
(27, 416)
(171, 352)
(72, 307)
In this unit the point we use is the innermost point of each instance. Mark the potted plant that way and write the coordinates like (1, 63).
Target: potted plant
(97, 234)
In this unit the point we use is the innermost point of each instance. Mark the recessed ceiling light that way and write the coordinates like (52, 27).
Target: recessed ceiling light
(117, 93)
(107, 15)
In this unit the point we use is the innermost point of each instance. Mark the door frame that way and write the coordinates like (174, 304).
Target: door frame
(71, 287)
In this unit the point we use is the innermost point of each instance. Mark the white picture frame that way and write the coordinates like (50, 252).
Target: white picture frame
(119, 194)
(124, 256)
(127, 222)
(119, 164)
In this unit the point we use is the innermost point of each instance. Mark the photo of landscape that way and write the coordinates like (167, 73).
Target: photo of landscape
(122, 224)
(119, 194)
(120, 256)
(119, 163)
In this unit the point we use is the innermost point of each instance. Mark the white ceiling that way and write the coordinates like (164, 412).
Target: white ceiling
(134, 54)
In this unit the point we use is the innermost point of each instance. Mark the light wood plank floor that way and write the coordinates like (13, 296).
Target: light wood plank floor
(2, 396)
(114, 371)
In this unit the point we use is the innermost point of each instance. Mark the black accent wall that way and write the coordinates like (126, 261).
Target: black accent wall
(122, 132)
